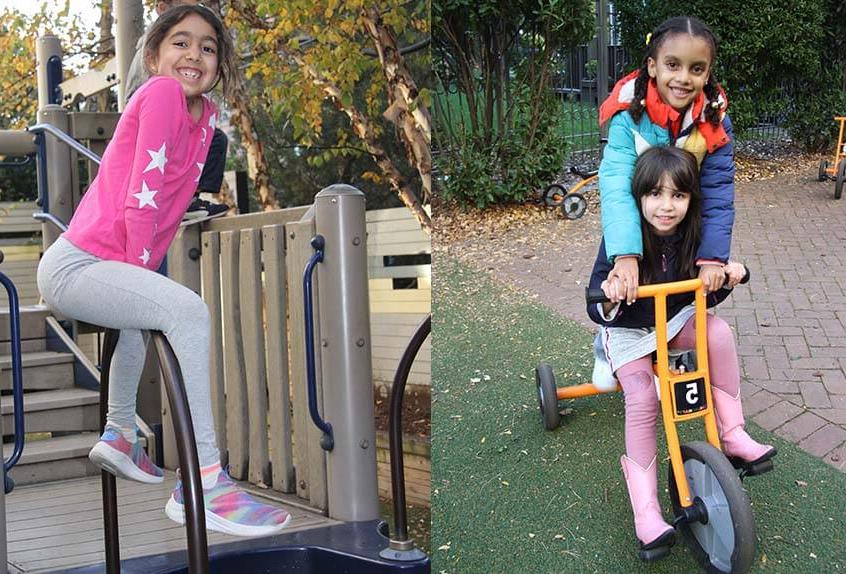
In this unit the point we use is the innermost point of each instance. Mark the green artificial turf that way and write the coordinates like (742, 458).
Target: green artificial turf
(509, 497)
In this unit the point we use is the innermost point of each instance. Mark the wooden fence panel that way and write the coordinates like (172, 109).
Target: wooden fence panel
(237, 430)
(252, 328)
(309, 457)
(278, 389)
(211, 295)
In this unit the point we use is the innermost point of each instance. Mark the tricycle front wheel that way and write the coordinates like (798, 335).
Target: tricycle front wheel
(574, 205)
(838, 181)
(547, 397)
(724, 541)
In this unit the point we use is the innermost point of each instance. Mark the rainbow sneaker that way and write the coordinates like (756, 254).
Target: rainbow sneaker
(124, 459)
(230, 510)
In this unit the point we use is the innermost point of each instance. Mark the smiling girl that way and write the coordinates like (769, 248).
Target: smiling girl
(665, 186)
(672, 99)
(103, 269)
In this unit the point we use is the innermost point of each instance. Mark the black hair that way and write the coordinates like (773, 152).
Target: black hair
(668, 28)
(683, 170)
(226, 66)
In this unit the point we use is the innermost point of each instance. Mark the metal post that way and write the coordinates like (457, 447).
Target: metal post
(45, 48)
(345, 359)
(4, 562)
(602, 71)
(129, 25)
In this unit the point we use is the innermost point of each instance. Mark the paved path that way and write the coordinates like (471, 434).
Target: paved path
(790, 321)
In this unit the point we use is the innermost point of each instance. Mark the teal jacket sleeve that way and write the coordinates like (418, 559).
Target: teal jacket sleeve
(620, 214)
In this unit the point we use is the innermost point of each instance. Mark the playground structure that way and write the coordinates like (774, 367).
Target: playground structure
(249, 271)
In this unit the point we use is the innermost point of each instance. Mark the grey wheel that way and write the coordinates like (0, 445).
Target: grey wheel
(823, 170)
(547, 397)
(838, 182)
(726, 541)
(554, 194)
(574, 205)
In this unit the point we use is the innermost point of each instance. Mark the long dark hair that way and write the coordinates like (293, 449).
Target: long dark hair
(683, 170)
(678, 25)
(226, 66)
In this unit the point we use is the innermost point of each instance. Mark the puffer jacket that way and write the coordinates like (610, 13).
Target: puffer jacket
(641, 313)
(626, 141)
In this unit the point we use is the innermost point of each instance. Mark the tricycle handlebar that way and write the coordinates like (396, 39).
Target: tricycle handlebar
(597, 295)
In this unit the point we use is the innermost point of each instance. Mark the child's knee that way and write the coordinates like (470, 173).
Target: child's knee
(720, 335)
(640, 394)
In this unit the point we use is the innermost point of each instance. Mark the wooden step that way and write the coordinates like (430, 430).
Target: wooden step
(33, 328)
(57, 458)
(42, 370)
(50, 411)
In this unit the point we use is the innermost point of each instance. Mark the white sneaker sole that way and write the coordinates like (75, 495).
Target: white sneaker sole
(176, 512)
(120, 465)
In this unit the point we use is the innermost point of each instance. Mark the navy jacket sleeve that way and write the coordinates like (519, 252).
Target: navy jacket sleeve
(716, 177)
(601, 269)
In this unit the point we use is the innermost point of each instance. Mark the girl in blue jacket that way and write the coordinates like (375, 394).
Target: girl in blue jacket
(673, 99)
(666, 187)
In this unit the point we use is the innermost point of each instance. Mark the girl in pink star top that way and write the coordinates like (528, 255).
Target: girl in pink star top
(103, 269)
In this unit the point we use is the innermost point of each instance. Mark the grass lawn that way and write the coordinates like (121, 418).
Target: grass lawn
(509, 497)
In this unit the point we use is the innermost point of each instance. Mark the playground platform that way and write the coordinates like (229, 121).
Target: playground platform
(59, 525)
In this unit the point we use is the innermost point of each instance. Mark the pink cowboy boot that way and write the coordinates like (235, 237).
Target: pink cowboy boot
(656, 536)
(741, 450)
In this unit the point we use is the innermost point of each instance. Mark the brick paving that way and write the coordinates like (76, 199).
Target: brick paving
(790, 320)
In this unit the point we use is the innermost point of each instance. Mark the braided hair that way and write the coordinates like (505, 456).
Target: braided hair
(677, 25)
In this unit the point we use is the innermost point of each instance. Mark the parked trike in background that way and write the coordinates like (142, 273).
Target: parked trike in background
(836, 170)
(709, 504)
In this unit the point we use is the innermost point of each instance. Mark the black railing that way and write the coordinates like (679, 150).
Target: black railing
(192, 488)
(17, 377)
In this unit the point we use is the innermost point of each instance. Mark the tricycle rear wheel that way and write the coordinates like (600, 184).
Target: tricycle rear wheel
(823, 170)
(726, 541)
(547, 397)
(574, 205)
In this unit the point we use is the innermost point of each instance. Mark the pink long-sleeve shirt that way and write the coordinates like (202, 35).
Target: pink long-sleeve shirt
(147, 177)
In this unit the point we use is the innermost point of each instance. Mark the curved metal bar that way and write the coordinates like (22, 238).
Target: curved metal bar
(395, 428)
(42, 217)
(189, 463)
(328, 440)
(108, 482)
(17, 373)
(24, 161)
(66, 139)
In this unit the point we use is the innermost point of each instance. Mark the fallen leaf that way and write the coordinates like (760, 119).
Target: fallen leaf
(445, 546)
(801, 483)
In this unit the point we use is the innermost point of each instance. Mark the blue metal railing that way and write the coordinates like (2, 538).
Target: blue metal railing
(17, 377)
(327, 441)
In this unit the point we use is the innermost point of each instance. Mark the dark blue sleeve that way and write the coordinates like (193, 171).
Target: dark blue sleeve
(601, 269)
(716, 176)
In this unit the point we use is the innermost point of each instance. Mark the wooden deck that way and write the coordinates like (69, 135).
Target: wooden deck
(58, 525)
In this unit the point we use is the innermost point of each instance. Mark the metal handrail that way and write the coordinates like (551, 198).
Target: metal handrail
(400, 539)
(186, 445)
(66, 139)
(327, 441)
(17, 377)
(42, 217)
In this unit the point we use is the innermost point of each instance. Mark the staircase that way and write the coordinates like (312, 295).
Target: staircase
(61, 414)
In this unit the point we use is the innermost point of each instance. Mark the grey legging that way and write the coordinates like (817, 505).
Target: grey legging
(132, 299)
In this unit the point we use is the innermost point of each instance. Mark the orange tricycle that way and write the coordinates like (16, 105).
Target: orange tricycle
(710, 507)
(836, 170)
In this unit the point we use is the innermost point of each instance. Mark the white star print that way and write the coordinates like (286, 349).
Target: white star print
(145, 196)
(200, 167)
(641, 145)
(145, 257)
(157, 159)
(204, 135)
(212, 120)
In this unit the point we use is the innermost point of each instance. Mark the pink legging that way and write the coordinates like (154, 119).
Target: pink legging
(638, 384)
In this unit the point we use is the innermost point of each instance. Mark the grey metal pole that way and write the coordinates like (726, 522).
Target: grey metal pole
(4, 557)
(45, 48)
(129, 25)
(602, 37)
(345, 358)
